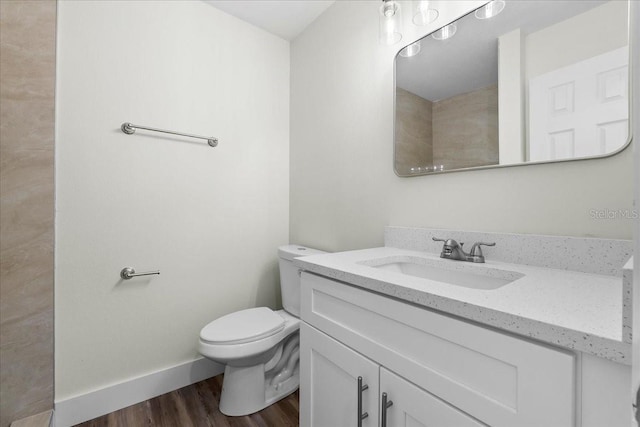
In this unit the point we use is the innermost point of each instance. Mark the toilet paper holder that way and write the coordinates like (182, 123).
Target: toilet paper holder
(128, 272)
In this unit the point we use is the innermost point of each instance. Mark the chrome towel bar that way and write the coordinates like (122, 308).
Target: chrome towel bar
(130, 129)
(128, 272)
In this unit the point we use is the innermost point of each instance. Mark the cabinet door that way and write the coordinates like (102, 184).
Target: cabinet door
(414, 407)
(329, 374)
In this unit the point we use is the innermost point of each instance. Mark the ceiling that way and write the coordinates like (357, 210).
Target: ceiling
(284, 18)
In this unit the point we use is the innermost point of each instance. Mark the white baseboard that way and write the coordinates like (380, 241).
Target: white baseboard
(85, 407)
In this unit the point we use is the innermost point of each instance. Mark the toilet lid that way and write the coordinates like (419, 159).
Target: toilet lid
(243, 326)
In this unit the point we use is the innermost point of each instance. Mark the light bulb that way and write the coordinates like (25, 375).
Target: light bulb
(445, 32)
(390, 22)
(388, 9)
(423, 15)
(412, 50)
(490, 9)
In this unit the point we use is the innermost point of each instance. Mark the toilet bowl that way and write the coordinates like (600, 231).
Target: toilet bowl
(259, 346)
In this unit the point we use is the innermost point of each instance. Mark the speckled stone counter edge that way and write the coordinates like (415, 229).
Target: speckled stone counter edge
(616, 351)
(627, 298)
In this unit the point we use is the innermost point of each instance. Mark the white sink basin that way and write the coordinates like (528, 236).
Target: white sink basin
(458, 273)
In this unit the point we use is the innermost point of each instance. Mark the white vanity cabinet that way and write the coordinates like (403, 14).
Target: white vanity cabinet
(330, 390)
(437, 370)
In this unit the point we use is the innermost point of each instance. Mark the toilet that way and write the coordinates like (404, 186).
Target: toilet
(259, 346)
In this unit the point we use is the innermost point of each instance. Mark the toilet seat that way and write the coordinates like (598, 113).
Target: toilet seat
(238, 352)
(243, 326)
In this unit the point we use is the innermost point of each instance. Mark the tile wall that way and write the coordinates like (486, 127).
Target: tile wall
(465, 129)
(456, 132)
(414, 140)
(27, 80)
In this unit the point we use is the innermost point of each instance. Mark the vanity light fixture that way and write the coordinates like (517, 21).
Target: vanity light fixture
(490, 10)
(412, 50)
(445, 32)
(423, 14)
(390, 22)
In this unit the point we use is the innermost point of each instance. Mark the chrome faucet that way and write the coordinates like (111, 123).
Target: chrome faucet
(453, 250)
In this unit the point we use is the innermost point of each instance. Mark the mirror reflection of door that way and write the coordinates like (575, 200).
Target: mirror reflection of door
(580, 110)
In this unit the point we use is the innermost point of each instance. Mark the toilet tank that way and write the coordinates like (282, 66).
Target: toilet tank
(289, 277)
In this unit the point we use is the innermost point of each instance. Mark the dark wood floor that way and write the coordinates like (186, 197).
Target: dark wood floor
(197, 406)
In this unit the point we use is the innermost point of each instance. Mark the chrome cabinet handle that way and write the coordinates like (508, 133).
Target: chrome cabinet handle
(128, 272)
(361, 388)
(385, 405)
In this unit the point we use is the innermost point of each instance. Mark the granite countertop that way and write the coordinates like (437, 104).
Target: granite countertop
(580, 311)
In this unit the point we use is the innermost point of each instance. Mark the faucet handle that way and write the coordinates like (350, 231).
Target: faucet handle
(449, 242)
(476, 251)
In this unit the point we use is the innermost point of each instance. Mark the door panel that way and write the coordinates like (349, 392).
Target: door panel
(580, 110)
(414, 407)
(329, 374)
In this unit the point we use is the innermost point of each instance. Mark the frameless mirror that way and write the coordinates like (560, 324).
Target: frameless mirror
(541, 81)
